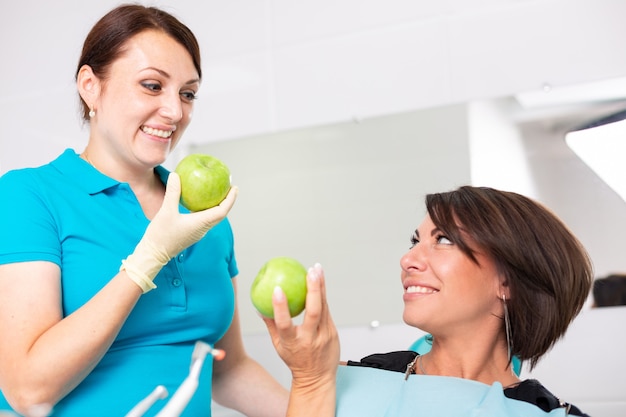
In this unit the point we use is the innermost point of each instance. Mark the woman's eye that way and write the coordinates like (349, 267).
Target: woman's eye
(189, 95)
(154, 87)
(443, 240)
(414, 241)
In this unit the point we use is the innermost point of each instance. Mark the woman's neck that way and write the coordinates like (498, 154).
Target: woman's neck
(482, 362)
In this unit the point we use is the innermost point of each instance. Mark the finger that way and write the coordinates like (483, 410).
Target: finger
(322, 278)
(213, 214)
(314, 298)
(282, 318)
(228, 201)
(325, 308)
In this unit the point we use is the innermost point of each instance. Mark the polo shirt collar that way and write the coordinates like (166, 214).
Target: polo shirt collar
(89, 178)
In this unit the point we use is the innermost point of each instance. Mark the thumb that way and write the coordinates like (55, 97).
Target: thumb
(172, 191)
(271, 326)
(275, 336)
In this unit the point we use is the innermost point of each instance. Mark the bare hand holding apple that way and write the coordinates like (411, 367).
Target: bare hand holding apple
(204, 180)
(310, 349)
(288, 274)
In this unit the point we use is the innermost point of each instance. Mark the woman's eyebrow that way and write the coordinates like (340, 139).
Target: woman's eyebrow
(167, 75)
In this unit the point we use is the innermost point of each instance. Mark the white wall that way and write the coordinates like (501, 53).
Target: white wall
(275, 65)
(346, 195)
(497, 148)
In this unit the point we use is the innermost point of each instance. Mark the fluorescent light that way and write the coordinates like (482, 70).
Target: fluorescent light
(603, 149)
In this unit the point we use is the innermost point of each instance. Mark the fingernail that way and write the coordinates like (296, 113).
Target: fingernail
(279, 295)
(314, 272)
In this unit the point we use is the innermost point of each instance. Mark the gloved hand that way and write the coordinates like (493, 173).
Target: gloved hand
(170, 232)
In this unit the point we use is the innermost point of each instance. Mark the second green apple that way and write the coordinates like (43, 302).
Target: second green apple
(288, 274)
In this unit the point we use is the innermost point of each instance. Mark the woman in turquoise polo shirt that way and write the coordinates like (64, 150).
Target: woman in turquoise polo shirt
(106, 283)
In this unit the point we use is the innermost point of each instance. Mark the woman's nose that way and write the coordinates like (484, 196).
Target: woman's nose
(414, 259)
(172, 107)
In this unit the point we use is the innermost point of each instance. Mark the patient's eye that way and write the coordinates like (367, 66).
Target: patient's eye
(443, 240)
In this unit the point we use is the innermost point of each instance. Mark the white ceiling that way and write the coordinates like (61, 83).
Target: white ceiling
(273, 65)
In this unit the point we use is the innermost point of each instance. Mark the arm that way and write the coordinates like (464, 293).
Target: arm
(311, 350)
(239, 382)
(38, 346)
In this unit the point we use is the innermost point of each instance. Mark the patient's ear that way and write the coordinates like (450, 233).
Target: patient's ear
(503, 287)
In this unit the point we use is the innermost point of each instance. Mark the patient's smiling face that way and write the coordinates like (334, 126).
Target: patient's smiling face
(444, 289)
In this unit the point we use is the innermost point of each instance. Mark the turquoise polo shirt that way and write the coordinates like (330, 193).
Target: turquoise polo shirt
(70, 214)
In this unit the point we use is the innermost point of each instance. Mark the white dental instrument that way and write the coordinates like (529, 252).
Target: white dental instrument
(185, 391)
(144, 405)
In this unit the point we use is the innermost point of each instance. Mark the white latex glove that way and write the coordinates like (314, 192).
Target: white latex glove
(170, 232)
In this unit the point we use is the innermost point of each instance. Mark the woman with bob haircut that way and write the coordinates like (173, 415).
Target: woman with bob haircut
(490, 275)
(107, 284)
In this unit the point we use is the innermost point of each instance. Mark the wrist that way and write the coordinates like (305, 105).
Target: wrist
(313, 384)
(137, 276)
(312, 398)
(143, 265)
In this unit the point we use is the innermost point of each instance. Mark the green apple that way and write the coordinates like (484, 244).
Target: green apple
(288, 274)
(204, 181)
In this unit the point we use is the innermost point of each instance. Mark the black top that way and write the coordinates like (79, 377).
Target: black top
(529, 390)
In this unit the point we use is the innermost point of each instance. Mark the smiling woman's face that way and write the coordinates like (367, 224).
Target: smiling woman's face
(145, 103)
(445, 292)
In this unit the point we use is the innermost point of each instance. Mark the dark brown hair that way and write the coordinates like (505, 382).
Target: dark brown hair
(546, 268)
(105, 42)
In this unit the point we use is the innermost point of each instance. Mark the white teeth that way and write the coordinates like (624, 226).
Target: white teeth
(421, 290)
(157, 132)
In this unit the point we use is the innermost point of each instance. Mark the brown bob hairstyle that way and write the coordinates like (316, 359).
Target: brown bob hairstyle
(547, 270)
(105, 42)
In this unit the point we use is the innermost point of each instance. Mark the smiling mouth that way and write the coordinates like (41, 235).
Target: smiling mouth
(157, 132)
(413, 289)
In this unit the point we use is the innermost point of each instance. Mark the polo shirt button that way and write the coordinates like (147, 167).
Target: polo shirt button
(177, 282)
(181, 257)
